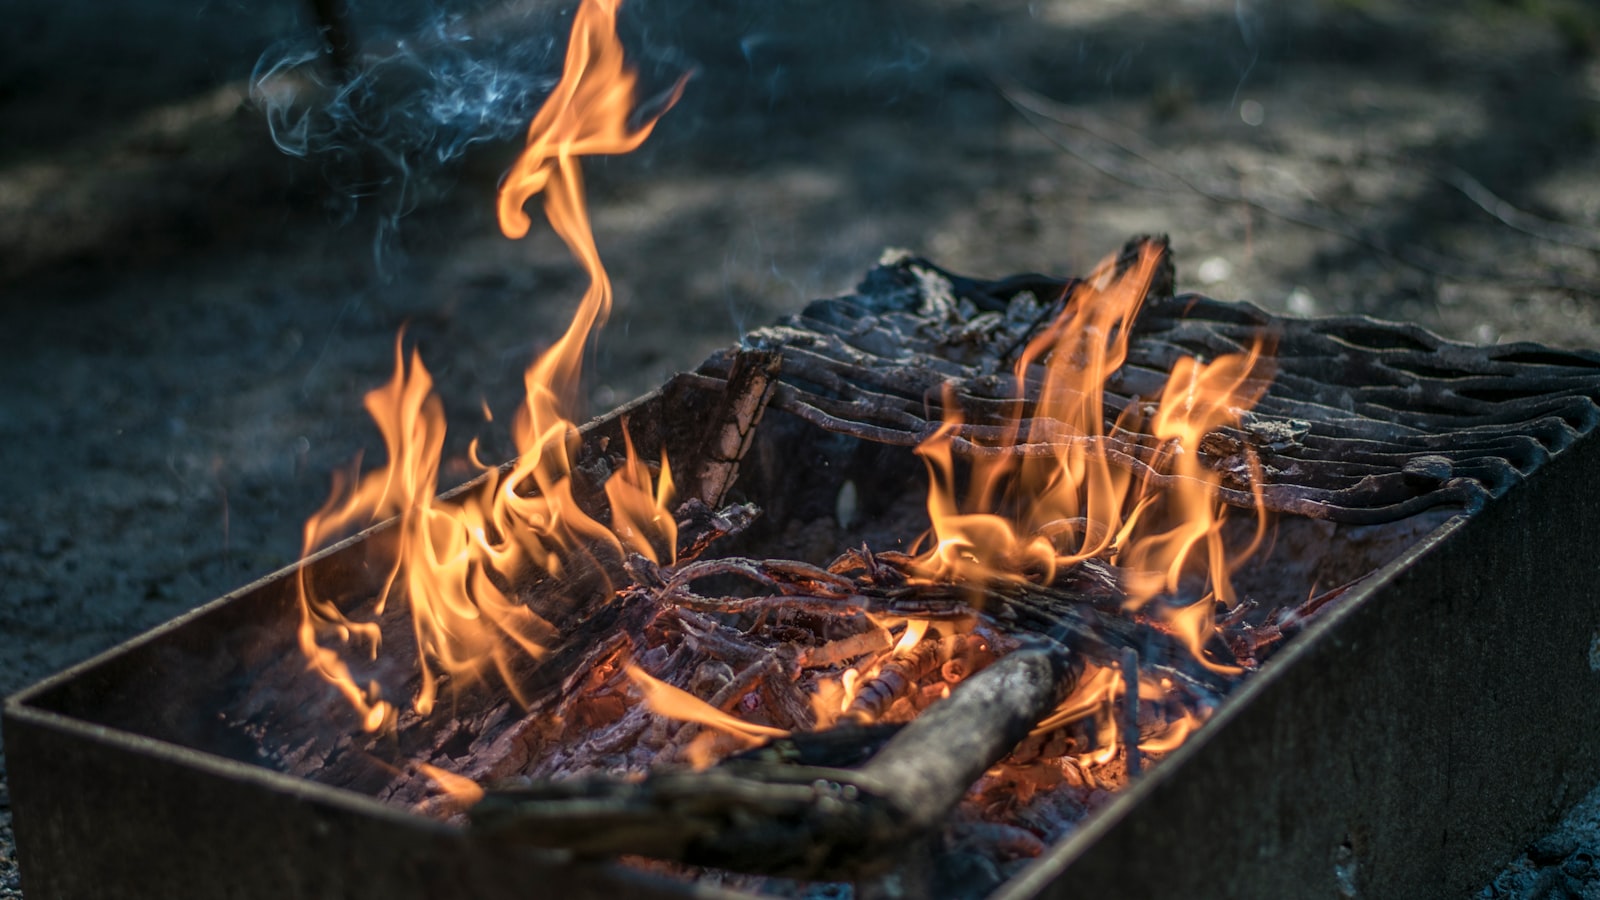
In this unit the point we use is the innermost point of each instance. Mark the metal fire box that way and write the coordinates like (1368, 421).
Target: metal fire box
(1407, 744)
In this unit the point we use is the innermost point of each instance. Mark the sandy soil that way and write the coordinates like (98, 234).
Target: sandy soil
(189, 318)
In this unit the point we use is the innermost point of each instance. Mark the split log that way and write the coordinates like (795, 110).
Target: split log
(751, 381)
(754, 815)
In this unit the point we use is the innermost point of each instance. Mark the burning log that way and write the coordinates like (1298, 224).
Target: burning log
(1352, 403)
(797, 820)
(900, 675)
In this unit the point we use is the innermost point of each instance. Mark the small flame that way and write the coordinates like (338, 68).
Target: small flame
(1171, 739)
(637, 512)
(1094, 689)
(1195, 624)
(829, 700)
(461, 790)
(915, 629)
(1101, 688)
(453, 556)
(676, 703)
(848, 683)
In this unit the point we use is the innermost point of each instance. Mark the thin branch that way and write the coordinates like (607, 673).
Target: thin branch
(1545, 230)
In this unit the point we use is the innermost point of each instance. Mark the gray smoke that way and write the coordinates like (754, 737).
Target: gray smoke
(390, 130)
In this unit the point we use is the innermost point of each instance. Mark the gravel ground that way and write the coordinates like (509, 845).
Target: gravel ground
(191, 317)
(1562, 864)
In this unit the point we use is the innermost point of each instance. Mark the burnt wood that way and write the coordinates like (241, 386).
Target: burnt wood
(1363, 421)
(752, 815)
(751, 380)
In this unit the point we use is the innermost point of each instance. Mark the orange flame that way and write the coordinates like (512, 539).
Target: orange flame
(453, 555)
(1174, 735)
(461, 790)
(1052, 493)
(1095, 687)
(676, 703)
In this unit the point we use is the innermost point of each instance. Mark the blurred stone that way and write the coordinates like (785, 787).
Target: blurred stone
(1214, 271)
(1301, 303)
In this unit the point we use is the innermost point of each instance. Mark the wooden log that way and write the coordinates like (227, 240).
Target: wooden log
(754, 815)
(751, 381)
(900, 675)
(926, 768)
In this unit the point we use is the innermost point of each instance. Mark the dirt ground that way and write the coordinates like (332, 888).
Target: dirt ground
(189, 317)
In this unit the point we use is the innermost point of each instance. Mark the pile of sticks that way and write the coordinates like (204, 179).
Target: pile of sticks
(1363, 422)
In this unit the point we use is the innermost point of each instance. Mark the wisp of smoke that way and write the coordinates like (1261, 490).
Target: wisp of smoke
(391, 127)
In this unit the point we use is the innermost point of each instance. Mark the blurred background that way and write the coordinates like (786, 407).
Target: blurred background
(211, 233)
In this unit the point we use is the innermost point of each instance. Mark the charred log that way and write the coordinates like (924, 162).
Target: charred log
(754, 815)
(1363, 422)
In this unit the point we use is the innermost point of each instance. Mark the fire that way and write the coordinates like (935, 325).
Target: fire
(1050, 493)
(453, 556)
(462, 792)
(1068, 479)
(676, 703)
(1173, 737)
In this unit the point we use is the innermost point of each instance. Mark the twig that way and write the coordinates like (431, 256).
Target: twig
(796, 821)
(1527, 223)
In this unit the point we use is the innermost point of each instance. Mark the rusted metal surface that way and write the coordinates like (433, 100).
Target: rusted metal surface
(103, 814)
(1407, 746)
(125, 784)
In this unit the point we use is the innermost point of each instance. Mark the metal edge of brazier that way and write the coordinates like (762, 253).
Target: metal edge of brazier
(1408, 745)
(101, 811)
(150, 819)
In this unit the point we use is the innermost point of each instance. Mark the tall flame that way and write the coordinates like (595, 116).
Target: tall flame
(453, 556)
(1050, 494)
